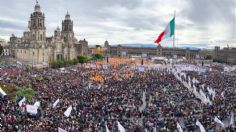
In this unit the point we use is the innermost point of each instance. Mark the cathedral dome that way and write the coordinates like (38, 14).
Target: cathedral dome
(58, 29)
(67, 16)
(37, 7)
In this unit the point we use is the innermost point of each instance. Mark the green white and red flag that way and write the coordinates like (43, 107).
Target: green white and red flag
(168, 32)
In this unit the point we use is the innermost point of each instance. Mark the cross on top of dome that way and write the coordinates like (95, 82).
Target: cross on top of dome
(37, 7)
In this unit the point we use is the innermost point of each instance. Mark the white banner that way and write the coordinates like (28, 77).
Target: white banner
(104, 66)
(141, 69)
(31, 109)
(61, 130)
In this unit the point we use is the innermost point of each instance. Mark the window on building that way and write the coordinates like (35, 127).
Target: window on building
(34, 23)
(41, 37)
(65, 39)
(40, 23)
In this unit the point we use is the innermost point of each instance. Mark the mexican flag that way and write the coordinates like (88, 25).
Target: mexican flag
(168, 32)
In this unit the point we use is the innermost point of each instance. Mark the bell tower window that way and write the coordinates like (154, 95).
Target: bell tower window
(33, 37)
(41, 37)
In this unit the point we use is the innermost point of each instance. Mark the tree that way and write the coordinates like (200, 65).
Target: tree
(63, 63)
(82, 59)
(98, 46)
(74, 61)
(208, 57)
(25, 92)
(1, 49)
(97, 56)
(10, 90)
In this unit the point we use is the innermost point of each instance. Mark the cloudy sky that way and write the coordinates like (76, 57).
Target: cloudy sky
(199, 23)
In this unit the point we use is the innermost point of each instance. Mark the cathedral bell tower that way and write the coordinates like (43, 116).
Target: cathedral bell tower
(67, 29)
(36, 25)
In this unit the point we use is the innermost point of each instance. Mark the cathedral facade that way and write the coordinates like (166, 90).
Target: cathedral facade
(35, 48)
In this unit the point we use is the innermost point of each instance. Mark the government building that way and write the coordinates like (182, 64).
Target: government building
(128, 51)
(225, 55)
(35, 48)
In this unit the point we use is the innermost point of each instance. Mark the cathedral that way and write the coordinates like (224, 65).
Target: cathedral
(35, 48)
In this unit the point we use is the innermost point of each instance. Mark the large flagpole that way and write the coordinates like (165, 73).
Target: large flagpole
(174, 39)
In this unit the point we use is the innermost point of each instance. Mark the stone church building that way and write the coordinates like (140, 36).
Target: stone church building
(35, 48)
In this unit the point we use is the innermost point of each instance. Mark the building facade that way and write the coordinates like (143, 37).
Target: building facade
(119, 51)
(6, 48)
(35, 48)
(225, 55)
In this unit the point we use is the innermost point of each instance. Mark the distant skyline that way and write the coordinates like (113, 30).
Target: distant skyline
(199, 23)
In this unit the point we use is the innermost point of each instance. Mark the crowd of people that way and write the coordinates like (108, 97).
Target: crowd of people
(150, 100)
(219, 86)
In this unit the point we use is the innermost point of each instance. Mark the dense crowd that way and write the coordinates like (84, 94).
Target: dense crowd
(150, 100)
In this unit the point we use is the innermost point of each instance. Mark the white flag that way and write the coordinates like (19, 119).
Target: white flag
(219, 121)
(89, 85)
(68, 111)
(194, 88)
(202, 129)
(61, 130)
(179, 127)
(37, 104)
(232, 119)
(209, 101)
(203, 96)
(55, 103)
(22, 101)
(223, 94)
(99, 86)
(120, 127)
(107, 130)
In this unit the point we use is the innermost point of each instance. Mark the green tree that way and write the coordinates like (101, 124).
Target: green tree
(1, 49)
(74, 61)
(10, 90)
(25, 92)
(82, 59)
(59, 64)
(97, 56)
(98, 46)
(208, 57)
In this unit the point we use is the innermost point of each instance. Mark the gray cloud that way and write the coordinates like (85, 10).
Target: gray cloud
(207, 11)
(12, 24)
(98, 20)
